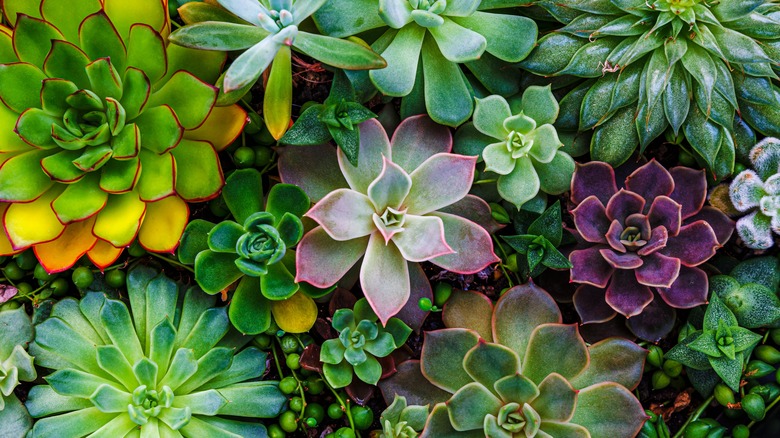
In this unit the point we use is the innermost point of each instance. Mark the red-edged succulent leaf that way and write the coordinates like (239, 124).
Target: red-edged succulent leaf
(472, 244)
(613, 236)
(442, 357)
(618, 260)
(689, 290)
(690, 189)
(469, 405)
(476, 210)
(344, 214)
(695, 244)
(589, 267)
(658, 238)
(665, 212)
(312, 168)
(487, 363)
(390, 188)
(418, 138)
(322, 261)
(626, 295)
(594, 178)
(470, 310)
(624, 204)
(557, 398)
(613, 360)
(410, 382)
(543, 355)
(650, 181)
(439, 181)
(374, 144)
(422, 239)
(596, 411)
(384, 268)
(658, 270)
(536, 306)
(590, 218)
(720, 223)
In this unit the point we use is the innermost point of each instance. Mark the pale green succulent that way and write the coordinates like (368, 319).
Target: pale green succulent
(15, 365)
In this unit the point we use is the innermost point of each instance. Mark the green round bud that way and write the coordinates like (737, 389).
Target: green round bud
(263, 341)
(672, 368)
(116, 278)
(739, 168)
(754, 406)
(314, 386)
(757, 369)
(724, 395)
(499, 213)
(697, 429)
(59, 287)
(768, 354)
(83, 277)
(13, 272)
(274, 431)
(263, 156)
(41, 274)
(774, 334)
(511, 263)
(293, 361)
(335, 411)
(660, 380)
(244, 157)
(314, 411)
(288, 385)
(441, 293)
(425, 304)
(345, 432)
(136, 250)
(296, 404)
(289, 344)
(362, 417)
(288, 421)
(740, 431)
(655, 356)
(26, 260)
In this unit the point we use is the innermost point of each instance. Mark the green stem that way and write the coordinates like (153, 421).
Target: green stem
(501, 265)
(485, 181)
(344, 404)
(171, 261)
(695, 416)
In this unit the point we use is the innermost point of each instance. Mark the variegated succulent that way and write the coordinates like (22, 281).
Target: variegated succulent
(514, 370)
(757, 191)
(169, 366)
(107, 131)
(405, 203)
(424, 41)
(703, 68)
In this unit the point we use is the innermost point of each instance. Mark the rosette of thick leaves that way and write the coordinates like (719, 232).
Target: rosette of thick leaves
(401, 421)
(16, 365)
(169, 366)
(516, 371)
(640, 242)
(519, 143)
(256, 251)
(107, 130)
(757, 191)
(701, 67)
(424, 41)
(406, 202)
(361, 341)
(722, 346)
(268, 30)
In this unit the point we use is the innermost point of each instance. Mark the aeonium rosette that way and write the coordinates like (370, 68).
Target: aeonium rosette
(107, 131)
(260, 245)
(642, 242)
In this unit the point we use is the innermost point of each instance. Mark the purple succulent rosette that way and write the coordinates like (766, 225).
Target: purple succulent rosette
(405, 202)
(640, 242)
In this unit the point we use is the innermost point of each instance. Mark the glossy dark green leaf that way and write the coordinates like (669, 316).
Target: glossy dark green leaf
(243, 193)
(194, 240)
(447, 96)
(553, 53)
(589, 61)
(250, 311)
(348, 141)
(615, 140)
(215, 271)
(676, 99)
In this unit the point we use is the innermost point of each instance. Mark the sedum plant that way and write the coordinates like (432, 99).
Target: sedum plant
(400, 420)
(16, 365)
(424, 41)
(108, 131)
(641, 245)
(757, 191)
(686, 65)
(722, 346)
(255, 251)
(337, 119)
(398, 207)
(360, 342)
(167, 367)
(539, 245)
(518, 142)
(267, 30)
(522, 375)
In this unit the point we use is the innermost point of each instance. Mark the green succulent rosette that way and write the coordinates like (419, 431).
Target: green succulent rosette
(107, 131)
(255, 251)
(169, 366)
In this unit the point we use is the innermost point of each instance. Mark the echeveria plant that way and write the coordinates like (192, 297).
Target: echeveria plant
(400, 206)
(424, 41)
(268, 30)
(107, 129)
(16, 365)
(688, 65)
(338, 118)
(721, 346)
(523, 375)
(360, 342)
(255, 250)
(538, 245)
(399, 420)
(170, 367)
(641, 242)
(518, 142)
(758, 190)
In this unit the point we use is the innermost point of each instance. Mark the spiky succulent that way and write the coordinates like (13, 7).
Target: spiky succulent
(641, 242)
(402, 421)
(428, 39)
(688, 65)
(107, 130)
(255, 250)
(722, 346)
(170, 367)
(361, 341)
(518, 142)
(757, 191)
(523, 375)
(16, 365)
(749, 292)
(406, 203)
(268, 30)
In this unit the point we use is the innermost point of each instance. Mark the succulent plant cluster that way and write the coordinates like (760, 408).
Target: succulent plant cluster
(393, 213)
(169, 365)
(641, 244)
(757, 191)
(108, 130)
(524, 374)
(16, 365)
(703, 68)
